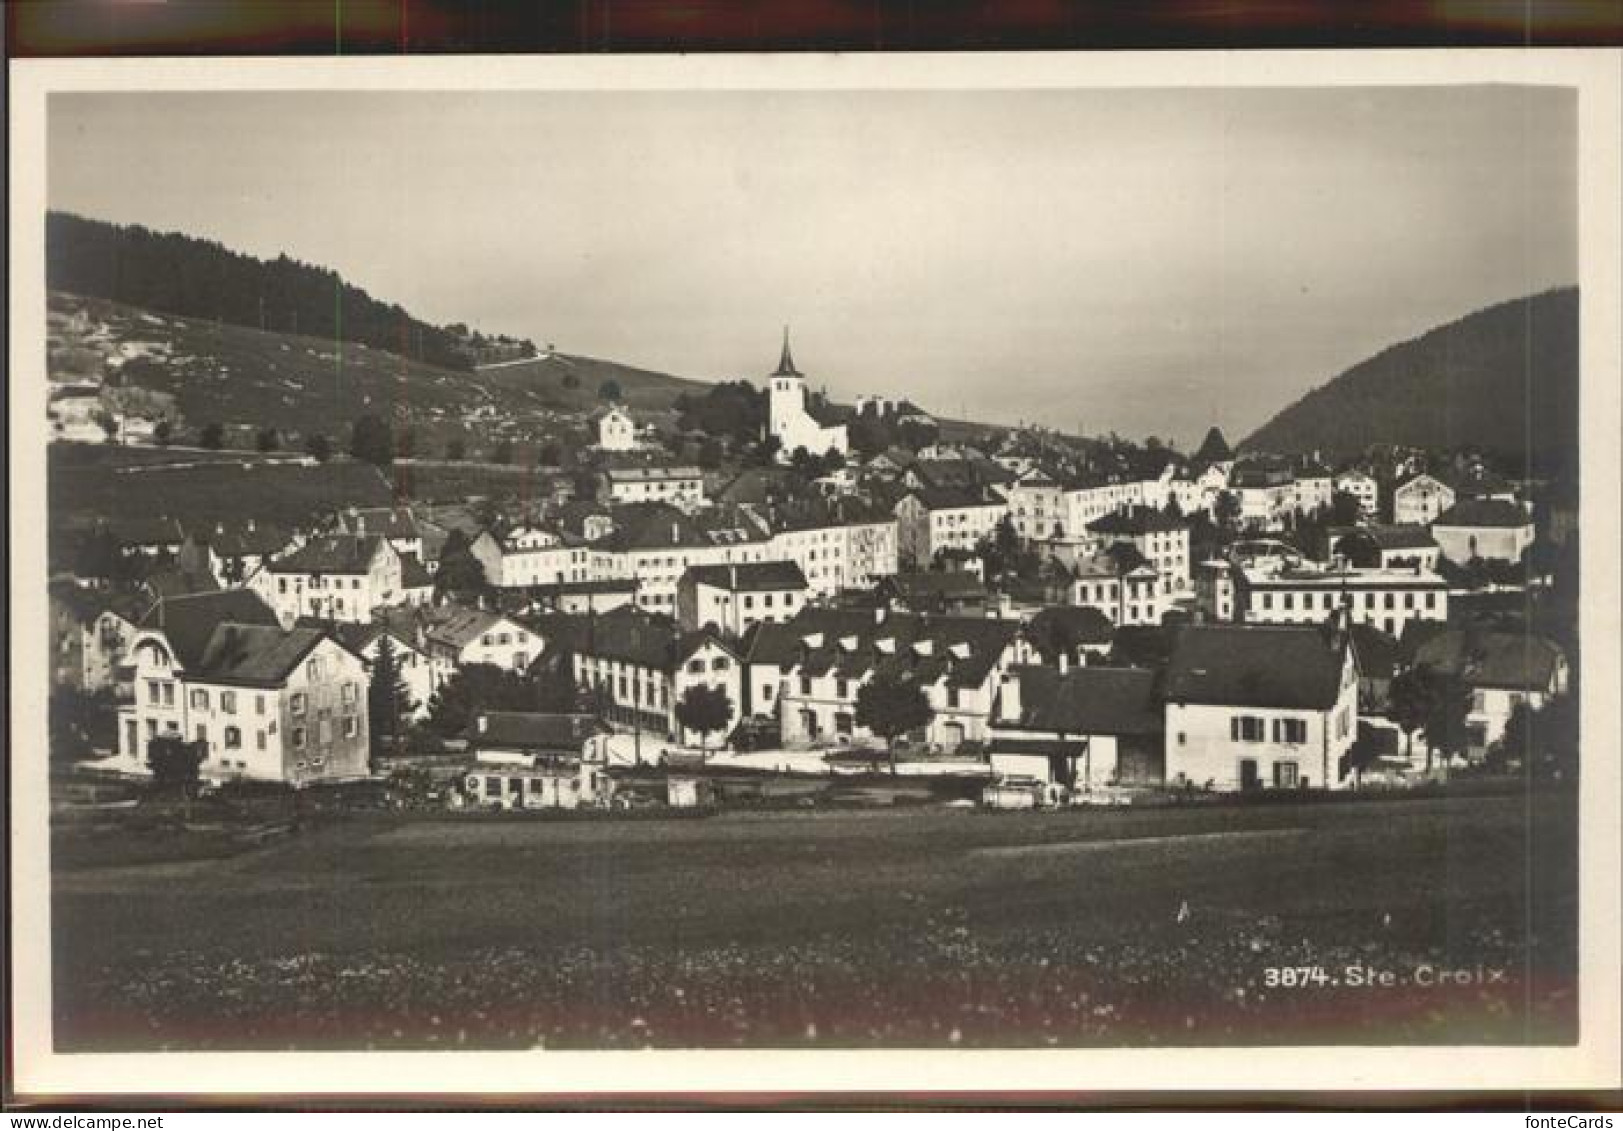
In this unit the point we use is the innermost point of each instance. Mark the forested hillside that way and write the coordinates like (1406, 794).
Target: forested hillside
(1504, 379)
(180, 275)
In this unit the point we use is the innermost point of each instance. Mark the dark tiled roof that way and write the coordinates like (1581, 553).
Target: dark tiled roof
(630, 635)
(948, 584)
(413, 573)
(258, 655)
(647, 473)
(960, 649)
(1135, 522)
(529, 730)
(1406, 536)
(1484, 512)
(188, 622)
(391, 522)
(1094, 700)
(332, 553)
(174, 582)
(1293, 667)
(247, 540)
(1512, 660)
(749, 576)
(954, 498)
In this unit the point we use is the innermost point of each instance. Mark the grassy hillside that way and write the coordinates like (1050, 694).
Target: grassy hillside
(1504, 379)
(249, 378)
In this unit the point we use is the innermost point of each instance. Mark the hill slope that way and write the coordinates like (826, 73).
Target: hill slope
(1504, 379)
(299, 384)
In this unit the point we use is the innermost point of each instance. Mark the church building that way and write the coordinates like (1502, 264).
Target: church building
(795, 423)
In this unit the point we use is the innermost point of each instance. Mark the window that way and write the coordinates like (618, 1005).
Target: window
(1290, 731)
(1245, 728)
(1390, 602)
(315, 670)
(233, 738)
(152, 728)
(805, 685)
(1479, 701)
(324, 731)
(1285, 775)
(349, 694)
(259, 740)
(952, 696)
(504, 638)
(228, 702)
(200, 699)
(842, 688)
(487, 640)
(152, 691)
(202, 733)
(298, 702)
(1408, 600)
(1267, 600)
(350, 726)
(720, 664)
(749, 601)
(695, 666)
(1431, 600)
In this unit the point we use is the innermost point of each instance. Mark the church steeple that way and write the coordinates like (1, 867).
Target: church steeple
(786, 363)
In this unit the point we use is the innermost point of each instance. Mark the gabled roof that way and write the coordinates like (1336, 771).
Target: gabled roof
(391, 522)
(1404, 536)
(251, 539)
(535, 731)
(176, 582)
(332, 553)
(188, 622)
(630, 635)
(953, 498)
(256, 655)
(653, 473)
(1484, 513)
(1513, 660)
(1088, 701)
(1279, 666)
(457, 626)
(947, 584)
(1214, 448)
(749, 577)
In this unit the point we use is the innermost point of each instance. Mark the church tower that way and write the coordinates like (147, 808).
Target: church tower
(787, 398)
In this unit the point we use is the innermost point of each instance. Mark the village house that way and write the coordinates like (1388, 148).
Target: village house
(1502, 670)
(1387, 547)
(526, 554)
(1388, 599)
(398, 524)
(366, 641)
(268, 703)
(1315, 487)
(680, 485)
(1267, 492)
(1082, 728)
(1488, 529)
(1160, 539)
(641, 665)
(1121, 583)
(732, 599)
(932, 519)
(530, 760)
(795, 422)
(1036, 501)
(338, 577)
(616, 431)
(454, 636)
(1214, 590)
(810, 670)
(1257, 707)
(947, 592)
(654, 544)
(90, 635)
(1361, 486)
(233, 553)
(1419, 500)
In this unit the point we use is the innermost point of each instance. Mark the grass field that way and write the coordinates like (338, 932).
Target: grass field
(924, 927)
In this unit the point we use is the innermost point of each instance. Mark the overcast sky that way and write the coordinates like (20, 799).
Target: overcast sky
(1143, 261)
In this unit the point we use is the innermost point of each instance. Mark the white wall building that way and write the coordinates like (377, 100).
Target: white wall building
(788, 418)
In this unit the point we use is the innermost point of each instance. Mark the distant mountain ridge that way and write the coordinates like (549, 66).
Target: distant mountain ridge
(1504, 379)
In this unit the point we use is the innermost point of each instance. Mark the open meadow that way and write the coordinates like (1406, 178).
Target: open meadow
(1189, 925)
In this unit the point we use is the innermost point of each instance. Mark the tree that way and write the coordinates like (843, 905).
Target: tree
(212, 436)
(1361, 755)
(891, 706)
(472, 690)
(704, 709)
(319, 446)
(609, 390)
(372, 440)
(569, 381)
(388, 700)
(175, 766)
(267, 440)
(556, 689)
(1409, 703)
(456, 449)
(163, 433)
(709, 453)
(1345, 509)
(1444, 727)
(460, 571)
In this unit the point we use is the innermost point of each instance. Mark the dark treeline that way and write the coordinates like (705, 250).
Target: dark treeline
(176, 274)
